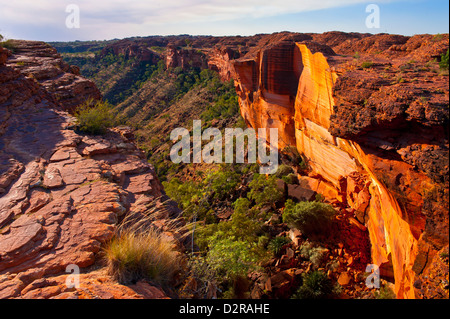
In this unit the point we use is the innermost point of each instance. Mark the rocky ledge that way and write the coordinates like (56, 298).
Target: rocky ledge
(62, 192)
(41, 62)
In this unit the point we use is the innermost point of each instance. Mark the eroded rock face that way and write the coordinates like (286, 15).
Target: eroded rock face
(62, 193)
(380, 140)
(185, 58)
(134, 49)
(41, 62)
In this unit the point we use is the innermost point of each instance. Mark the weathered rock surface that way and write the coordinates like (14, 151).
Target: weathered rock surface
(62, 192)
(185, 58)
(41, 62)
(377, 132)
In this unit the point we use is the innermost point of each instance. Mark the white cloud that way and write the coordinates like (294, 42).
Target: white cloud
(135, 15)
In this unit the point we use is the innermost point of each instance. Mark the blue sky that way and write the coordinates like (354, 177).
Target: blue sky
(46, 19)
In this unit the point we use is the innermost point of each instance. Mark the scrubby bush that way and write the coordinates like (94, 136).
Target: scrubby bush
(95, 117)
(233, 247)
(198, 197)
(385, 293)
(264, 190)
(290, 179)
(314, 219)
(241, 226)
(222, 182)
(8, 44)
(233, 258)
(192, 197)
(315, 254)
(316, 285)
(225, 107)
(204, 275)
(444, 61)
(276, 245)
(367, 65)
(283, 170)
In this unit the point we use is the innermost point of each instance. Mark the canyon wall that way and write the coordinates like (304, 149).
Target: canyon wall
(379, 141)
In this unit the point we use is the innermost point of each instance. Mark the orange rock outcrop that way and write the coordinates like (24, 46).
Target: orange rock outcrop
(352, 124)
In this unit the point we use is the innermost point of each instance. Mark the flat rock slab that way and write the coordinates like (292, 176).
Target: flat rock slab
(61, 192)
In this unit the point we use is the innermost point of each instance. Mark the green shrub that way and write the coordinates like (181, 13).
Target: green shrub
(222, 182)
(204, 274)
(315, 254)
(232, 258)
(444, 61)
(316, 285)
(241, 226)
(385, 293)
(276, 244)
(283, 170)
(314, 219)
(8, 44)
(290, 179)
(319, 198)
(191, 197)
(234, 246)
(264, 190)
(367, 64)
(225, 107)
(95, 117)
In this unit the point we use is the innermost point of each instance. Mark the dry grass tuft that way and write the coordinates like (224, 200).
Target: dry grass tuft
(133, 256)
(138, 250)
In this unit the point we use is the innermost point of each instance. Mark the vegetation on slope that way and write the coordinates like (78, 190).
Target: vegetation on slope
(95, 117)
(236, 214)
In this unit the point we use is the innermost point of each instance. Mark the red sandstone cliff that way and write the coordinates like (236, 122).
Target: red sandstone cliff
(377, 132)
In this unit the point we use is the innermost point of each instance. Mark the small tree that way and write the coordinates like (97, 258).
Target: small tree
(264, 190)
(314, 219)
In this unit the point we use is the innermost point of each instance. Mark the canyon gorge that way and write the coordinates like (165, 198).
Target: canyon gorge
(367, 113)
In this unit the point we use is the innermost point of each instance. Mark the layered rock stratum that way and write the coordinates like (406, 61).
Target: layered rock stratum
(62, 193)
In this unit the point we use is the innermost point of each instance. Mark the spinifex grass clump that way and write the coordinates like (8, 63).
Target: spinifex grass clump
(276, 245)
(146, 255)
(316, 285)
(139, 251)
